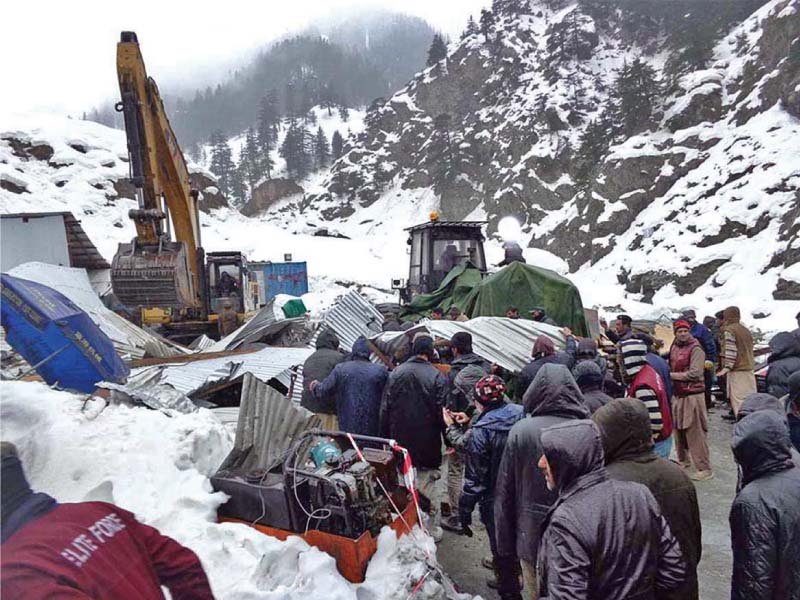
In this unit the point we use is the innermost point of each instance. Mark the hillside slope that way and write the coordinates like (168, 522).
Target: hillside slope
(697, 204)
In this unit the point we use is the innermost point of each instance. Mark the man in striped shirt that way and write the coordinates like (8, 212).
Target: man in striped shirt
(738, 361)
(646, 384)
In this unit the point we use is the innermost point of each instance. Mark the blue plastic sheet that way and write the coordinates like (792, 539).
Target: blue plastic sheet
(43, 325)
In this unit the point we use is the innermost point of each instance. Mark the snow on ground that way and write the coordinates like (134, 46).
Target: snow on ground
(157, 465)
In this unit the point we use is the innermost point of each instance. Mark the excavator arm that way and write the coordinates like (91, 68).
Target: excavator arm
(154, 271)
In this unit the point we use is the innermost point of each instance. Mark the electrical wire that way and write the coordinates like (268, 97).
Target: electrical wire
(322, 512)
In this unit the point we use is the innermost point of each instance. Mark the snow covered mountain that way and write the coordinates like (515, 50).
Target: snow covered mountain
(683, 191)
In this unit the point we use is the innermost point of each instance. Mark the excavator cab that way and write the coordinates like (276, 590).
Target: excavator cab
(228, 279)
(436, 247)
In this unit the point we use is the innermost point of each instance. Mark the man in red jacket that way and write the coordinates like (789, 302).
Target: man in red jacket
(86, 550)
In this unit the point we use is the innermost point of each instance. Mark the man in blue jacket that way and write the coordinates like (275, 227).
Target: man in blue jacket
(484, 443)
(357, 385)
(703, 335)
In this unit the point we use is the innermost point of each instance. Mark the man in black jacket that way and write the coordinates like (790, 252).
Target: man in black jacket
(521, 495)
(459, 402)
(765, 516)
(412, 414)
(603, 538)
(590, 380)
(543, 353)
(316, 368)
(628, 448)
(784, 359)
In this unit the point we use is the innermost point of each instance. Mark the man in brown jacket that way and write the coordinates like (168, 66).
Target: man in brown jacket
(686, 364)
(737, 358)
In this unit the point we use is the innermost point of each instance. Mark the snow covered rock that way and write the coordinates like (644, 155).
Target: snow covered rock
(268, 192)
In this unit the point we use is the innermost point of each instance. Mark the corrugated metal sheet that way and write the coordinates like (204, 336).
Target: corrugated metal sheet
(506, 342)
(130, 342)
(266, 322)
(266, 364)
(350, 317)
(268, 422)
(146, 387)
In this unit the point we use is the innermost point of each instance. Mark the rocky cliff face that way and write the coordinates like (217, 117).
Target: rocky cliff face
(700, 195)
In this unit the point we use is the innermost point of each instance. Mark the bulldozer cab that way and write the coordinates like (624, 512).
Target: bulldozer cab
(436, 248)
(229, 280)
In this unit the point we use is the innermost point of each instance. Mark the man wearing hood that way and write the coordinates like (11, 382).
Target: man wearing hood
(411, 413)
(784, 359)
(603, 538)
(765, 516)
(583, 349)
(738, 361)
(645, 384)
(753, 404)
(686, 363)
(357, 386)
(86, 549)
(792, 403)
(316, 368)
(522, 499)
(483, 444)
(543, 353)
(628, 449)
(589, 378)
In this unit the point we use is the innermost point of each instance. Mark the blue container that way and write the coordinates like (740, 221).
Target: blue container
(281, 278)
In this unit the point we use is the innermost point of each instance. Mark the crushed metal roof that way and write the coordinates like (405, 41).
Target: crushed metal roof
(502, 341)
(266, 364)
(350, 317)
(83, 254)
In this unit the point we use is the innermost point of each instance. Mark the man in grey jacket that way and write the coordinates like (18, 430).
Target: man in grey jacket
(521, 495)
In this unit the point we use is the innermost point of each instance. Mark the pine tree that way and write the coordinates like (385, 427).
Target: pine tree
(594, 143)
(290, 103)
(636, 92)
(472, 28)
(222, 164)
(267, 121)
(237, 182)
(344, 113)
(322, 151)
(255, 163)
(337, 145)
(297, 150)
(487, 22)
(438, 50)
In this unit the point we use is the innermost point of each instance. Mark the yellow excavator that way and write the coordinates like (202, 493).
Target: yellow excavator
(165, 281)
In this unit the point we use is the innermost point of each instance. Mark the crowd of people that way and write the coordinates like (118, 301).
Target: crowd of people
(568, 461)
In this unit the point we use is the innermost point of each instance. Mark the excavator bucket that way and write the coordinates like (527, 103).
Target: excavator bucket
(147, 277)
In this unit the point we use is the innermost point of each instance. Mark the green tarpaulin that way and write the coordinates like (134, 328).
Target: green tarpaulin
(518, 284)
(526, 287)
(454, 290)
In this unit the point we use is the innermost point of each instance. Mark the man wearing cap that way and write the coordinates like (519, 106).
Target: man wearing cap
(86, 549)
(411, 413)
(484, 443)
(539, 315)
(703, 335)
(622, 329)
(686, 362)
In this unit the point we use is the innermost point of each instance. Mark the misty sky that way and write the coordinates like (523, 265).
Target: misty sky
(60, 56)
